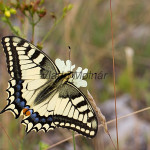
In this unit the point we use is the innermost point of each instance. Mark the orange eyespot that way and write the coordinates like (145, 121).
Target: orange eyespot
(25, 110)
(28, 113)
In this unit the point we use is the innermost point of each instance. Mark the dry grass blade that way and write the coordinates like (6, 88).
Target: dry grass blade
(101, 117)
(114, 76)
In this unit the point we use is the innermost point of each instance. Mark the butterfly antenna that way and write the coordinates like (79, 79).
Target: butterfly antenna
(70, 56)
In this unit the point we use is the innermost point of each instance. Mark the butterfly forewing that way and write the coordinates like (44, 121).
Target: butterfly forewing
(25, 61)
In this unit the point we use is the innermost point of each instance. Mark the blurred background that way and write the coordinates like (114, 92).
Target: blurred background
(86, 28)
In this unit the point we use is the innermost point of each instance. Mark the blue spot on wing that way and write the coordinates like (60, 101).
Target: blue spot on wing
(17, 94)
(33, 115)
(36, 120)
(18, 87)
(43, 120)
(22, 104)
(49, 119)
(27, 107)
(20, 81)
(18, 100)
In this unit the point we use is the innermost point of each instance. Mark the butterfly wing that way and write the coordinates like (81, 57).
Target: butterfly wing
(66, 107)
(25, 61)
(22, 93)
(31, 71)
(77, 113)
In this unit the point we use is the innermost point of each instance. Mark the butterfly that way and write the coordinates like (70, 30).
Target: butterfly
(45, 102)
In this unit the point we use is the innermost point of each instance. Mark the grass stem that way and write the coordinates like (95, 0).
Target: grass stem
(74, 142)
(114, 77)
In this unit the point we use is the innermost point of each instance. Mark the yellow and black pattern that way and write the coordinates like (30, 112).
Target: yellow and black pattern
(46, 103)
(25, 61)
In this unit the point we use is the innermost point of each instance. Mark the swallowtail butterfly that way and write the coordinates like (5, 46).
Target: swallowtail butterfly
(46, 102)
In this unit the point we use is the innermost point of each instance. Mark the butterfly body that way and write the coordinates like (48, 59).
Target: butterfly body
(47, 97)
(51, 87)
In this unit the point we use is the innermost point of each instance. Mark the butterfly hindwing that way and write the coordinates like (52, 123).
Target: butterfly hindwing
(25, 61)
(22, 92)
(77, 113)
(67, 108)
(14, 96)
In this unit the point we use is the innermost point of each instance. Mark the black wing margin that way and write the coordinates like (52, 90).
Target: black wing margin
(81, 116)
(68, 108)
(25, 61)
